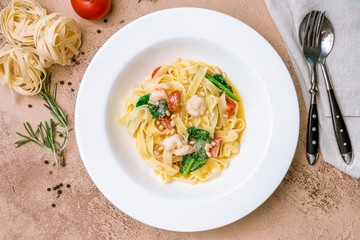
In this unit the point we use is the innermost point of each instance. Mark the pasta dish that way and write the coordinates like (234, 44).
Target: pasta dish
(187, 120)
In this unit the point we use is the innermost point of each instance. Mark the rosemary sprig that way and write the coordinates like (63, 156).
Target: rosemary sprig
(55, 110)
(47, 131)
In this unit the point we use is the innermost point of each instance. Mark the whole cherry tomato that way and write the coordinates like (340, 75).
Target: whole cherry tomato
(91, 9)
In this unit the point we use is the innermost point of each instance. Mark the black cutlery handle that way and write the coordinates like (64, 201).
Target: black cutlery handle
(312, 141)
(341, 133)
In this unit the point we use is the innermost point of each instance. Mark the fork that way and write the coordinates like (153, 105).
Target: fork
(311, 50)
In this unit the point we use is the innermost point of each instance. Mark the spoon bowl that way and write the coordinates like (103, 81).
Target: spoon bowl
(327, 38)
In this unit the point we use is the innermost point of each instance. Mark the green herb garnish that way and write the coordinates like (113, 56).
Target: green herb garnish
(47, 131)
(143, 100)
(196, 160)
(159, 109)
(193, 161)
(199, 135)
(221, 83)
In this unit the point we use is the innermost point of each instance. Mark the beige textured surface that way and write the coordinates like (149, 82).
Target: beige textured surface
(316, 202)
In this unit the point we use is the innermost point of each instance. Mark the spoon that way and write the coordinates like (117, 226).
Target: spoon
(341, 133)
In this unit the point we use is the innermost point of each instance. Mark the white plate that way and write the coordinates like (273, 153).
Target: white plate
(267, 92)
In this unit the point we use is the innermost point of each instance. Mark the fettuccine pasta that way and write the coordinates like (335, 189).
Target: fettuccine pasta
(185, 124)
(18, 20)
(37, 41)
(20, 70)
(57, 39)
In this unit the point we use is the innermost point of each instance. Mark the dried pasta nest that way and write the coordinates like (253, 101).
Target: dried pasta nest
(57, 39)
(18, 20)
(21, 70)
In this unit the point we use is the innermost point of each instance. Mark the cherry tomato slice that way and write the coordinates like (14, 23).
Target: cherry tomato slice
(215, 150)
(173, 101)
(155, 71)
(166, 122)
(230, 107)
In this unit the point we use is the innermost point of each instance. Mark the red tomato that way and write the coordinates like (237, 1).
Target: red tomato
(230, 107)
(91, 9)
(166, 122)
(173, 101)
(155, 71)
(215, 150)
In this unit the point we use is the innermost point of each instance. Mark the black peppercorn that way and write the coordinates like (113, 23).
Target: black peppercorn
(46, 162)
(49, 189)
(69, 83)
(98, 31)
(60, 184)
(30, 106)
(105, 20)
(54, 188)
(53, 205)
(68, 185)
(62, 82)
(59, 192)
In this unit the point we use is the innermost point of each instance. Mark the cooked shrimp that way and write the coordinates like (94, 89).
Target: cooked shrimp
(177, 145)
(162, 86)
(157, 95)
(175, 141)
(183, 150)
(159, 92)
(196, 106)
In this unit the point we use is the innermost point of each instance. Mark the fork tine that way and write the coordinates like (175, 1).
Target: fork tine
(314, 28)
(318, 28)
(308, 28)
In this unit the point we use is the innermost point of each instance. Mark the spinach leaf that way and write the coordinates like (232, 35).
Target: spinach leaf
(199, 135)
(159, 109)
(193, 161)
(221, 80)
(187, 162)
(221, 83)
(196, 160)
(200, 160)
(143, 100)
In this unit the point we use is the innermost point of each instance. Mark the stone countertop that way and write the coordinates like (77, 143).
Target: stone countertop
(312, 202)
